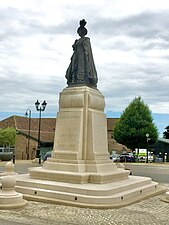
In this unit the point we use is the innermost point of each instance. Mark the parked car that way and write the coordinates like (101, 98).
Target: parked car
(47, 155)
(114, 157)
(144, 159)
(6, 156)
(157, 159)
(127, 157)
(6, 153)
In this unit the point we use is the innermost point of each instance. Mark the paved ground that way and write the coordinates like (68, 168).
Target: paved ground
(152, 211)
(148, 212)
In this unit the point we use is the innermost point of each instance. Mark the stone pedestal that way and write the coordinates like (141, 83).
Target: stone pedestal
(81, 132)
(80, 153)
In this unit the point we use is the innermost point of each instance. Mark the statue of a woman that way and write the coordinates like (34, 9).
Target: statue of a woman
(81, 70)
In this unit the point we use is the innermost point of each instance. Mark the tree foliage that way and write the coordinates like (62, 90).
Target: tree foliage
(7, 136)
(135, 122)
(166, 133)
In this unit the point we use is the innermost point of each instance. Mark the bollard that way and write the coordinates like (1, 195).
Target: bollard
(39, 159)
(13, 158)
(9, 198)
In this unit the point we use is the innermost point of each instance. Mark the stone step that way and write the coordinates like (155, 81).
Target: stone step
(102, 201)
(79, 178)
(89, 189)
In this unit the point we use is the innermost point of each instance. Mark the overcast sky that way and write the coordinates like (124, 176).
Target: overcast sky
(129, 38)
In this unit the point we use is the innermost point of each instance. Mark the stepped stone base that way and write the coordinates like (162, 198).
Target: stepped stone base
(107, 195)
(79, 171)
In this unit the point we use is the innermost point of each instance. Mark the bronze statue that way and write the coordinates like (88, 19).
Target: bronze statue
(81, 70)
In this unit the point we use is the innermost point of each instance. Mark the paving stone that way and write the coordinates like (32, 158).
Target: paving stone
(151, 211)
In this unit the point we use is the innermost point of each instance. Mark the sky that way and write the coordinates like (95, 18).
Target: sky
(130, 43)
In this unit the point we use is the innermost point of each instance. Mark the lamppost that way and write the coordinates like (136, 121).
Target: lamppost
(147, 138)
(28, 113)
(40, 109)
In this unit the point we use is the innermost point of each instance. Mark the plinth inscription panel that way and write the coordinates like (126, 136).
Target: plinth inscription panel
(97, 135)
(69, 129)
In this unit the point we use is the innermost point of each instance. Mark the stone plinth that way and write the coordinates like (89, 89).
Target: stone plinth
(80, 153)
(81, 127)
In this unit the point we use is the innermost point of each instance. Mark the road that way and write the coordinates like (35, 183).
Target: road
(159, 173)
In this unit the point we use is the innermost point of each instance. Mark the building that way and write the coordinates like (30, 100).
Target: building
(26, 145)
(161, 149)
(113, 145)
(21, 124)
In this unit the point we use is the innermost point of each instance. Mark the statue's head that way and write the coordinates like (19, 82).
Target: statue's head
(82, 31)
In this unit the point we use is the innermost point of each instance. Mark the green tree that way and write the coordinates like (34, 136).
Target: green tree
(7, 136)
(166, 133)
(135, 122)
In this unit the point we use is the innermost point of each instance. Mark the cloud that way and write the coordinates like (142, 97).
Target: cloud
(146, 25)
(131, 53)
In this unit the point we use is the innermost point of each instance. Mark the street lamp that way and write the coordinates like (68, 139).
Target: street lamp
(40, 109)
(28, 114)
(147, 138)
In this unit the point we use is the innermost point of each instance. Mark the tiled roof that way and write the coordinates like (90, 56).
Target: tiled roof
(47, 124)
(21, 124)
(8, 122)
